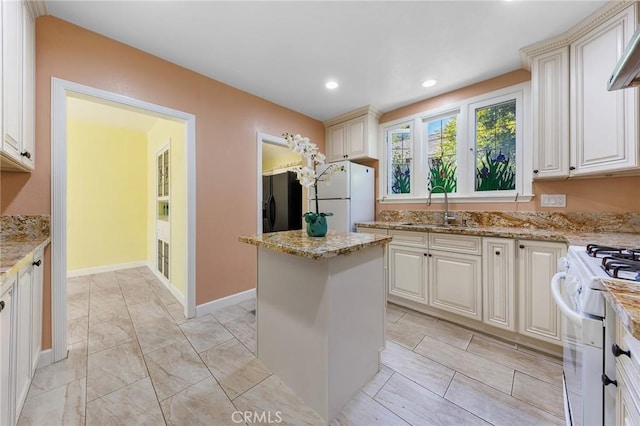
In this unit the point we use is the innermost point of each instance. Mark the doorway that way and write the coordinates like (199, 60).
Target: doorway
(61, 92)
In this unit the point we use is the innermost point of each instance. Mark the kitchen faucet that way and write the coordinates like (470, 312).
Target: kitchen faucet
(447, 216)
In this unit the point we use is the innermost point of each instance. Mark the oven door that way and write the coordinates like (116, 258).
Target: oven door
(582, 337)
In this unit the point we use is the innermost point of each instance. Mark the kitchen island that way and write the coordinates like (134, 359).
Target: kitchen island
(320, 312)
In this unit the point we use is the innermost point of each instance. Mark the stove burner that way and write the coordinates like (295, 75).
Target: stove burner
(595, 249)
(622, 267)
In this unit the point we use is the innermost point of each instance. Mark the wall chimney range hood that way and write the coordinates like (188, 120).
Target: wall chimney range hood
(627, 71)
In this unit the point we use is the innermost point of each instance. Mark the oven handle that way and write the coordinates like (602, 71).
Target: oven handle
(572, 315)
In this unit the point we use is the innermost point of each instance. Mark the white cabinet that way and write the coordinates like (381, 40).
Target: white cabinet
(407, 272)
(539, 315)
(550, 96)
(499, 282)
(628, 378)
(352, 136)
(386, 252)
(579, 127)
(18, 87)
(455, 283)
(603, 124)
(23, 334)
(36, 306)
(7, 336)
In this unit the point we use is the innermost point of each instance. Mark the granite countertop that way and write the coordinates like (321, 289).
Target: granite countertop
(573, 237)
(300, 244)
(15, 252)
(624, 297)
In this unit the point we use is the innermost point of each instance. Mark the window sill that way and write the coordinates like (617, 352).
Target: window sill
(438, 198)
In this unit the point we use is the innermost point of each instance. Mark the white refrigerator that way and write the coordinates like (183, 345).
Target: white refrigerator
(349, 196)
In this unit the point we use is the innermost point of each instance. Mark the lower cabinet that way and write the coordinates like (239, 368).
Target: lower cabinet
(537, 264)
(499, 283)
(627, 377)
(455, 283)
(407, 272)
(20, 335)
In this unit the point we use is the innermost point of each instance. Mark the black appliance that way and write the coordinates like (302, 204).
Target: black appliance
(281, 202)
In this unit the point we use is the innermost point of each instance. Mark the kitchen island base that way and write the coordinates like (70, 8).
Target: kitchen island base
(321, 323)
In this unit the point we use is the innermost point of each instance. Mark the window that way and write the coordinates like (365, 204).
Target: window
(472, 150)
(399, 171)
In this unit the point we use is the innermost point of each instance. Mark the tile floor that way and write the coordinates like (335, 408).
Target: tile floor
(134, 359)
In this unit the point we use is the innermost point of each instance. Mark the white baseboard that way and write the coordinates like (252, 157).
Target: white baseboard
(166, 283)
(105, 268)
(46, 358)
(216, 305)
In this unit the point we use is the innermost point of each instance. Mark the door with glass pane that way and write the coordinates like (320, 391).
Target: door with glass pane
(162, 211)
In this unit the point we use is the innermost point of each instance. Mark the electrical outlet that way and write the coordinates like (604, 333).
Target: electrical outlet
(553, 200)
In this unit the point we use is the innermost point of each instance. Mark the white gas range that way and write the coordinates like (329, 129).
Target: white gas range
(589, 329)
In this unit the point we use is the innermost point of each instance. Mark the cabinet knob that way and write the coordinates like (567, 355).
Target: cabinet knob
(521, 246)
(37, 262)
(572, 168)
(1, 305)
(606, 381)
(26, 154)
(497, 253)
(429, 254)
(535, 171)
(617, 351)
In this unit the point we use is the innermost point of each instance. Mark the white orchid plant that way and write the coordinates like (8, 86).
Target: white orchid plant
(307, 175)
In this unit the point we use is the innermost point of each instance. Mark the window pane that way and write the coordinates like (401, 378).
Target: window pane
(441, 154)
(496, 147)
(399, 145)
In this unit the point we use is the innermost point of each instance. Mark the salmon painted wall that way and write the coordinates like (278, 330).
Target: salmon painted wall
(227, 121)
(585, 195)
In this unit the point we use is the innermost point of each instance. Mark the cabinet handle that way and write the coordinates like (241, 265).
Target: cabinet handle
(26, 154)
(37, 262)
(572, 168)
(617, 351)
(1, 305)
(606, 381)
(535, 171)
(521, 246)
(497, 253)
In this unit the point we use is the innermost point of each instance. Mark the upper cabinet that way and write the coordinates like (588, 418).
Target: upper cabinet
(579, 127)
(17, 125)
(352, 136)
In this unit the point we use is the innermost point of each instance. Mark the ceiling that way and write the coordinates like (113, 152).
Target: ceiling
(378, 51)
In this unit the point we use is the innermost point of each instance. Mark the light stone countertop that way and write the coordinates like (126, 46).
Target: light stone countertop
(573, 237)
(624, 297)
(300, 244)
(15, 252)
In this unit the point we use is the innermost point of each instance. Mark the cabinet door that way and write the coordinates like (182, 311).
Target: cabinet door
(603, 123)
(356, 138)
(7, 335)
(455, 282)
(407, 276)
(550, 95)
(336, 139)
(36, 308)
(627, 412)
(23, 336)
(539, 314)
(28, 87)
(499, 280)
(12, 77)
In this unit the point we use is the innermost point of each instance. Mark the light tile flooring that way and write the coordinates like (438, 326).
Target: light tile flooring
(134, 359)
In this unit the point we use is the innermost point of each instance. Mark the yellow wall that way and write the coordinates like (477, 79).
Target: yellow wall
(159, 135)
(106, 195)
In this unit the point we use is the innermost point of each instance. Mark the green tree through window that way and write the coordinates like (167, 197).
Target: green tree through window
(399, 140)
(441, 154)
(496, 147)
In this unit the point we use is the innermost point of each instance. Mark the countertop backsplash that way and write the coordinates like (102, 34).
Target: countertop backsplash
(24, 227)
(572, 221)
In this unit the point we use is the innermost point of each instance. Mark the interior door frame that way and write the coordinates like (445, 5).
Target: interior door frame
(59, 91)
(260, 139)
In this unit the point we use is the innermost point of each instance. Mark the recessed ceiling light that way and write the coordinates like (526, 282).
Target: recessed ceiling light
(428, 83)
(331, 85)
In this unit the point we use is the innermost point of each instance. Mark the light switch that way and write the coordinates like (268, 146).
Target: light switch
(553, 200)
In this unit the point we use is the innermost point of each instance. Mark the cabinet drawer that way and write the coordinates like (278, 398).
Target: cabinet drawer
(364, 230)
(458, 243)
(409, 238)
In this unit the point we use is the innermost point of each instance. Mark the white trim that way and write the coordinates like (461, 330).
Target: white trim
(273, 140)
(440, 199)
(59, 91)
(105, 268)
(216, 305)
(45, 358)
(166, 283)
